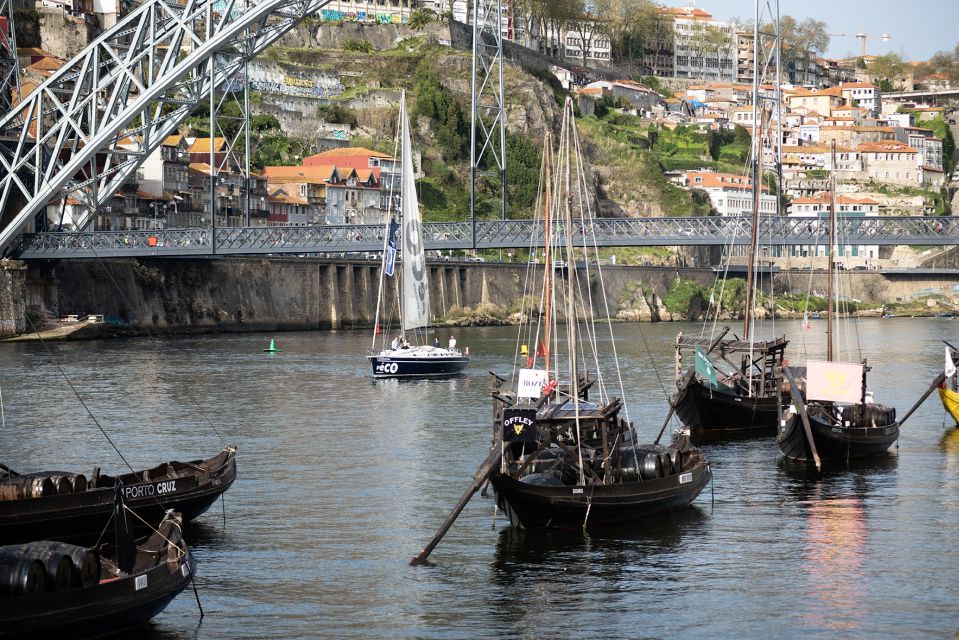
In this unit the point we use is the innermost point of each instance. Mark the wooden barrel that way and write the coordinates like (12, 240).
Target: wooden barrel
(20, 575)
(84, 563)
(62, 484)
(79, 482)
(675, 460)
(27, 487)
(652, 466)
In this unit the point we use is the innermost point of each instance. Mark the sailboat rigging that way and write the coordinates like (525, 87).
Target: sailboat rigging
(564, 454)
(715, 394)
(403, 359)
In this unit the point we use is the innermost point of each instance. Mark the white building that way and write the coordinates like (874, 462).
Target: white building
(694, 57)
(862, 94)
(730, 194)
(817, 210)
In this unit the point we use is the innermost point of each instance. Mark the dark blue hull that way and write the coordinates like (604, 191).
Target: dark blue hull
(414, 367)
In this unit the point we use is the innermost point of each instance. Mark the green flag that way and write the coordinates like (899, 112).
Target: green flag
(705, 368)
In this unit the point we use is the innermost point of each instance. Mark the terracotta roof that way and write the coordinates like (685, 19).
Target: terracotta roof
(46, 63)
(172, 141)
(202, 145)
(704, 179)
(688, 12)
(204, 168)
(597, 91)
(31, 51)
(349, 151)
(316, 174)
(824, 198)
(890, 146)
(857, 85)
(143, 195)
(879, 129)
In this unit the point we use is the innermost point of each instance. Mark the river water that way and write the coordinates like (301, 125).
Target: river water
(343, 479)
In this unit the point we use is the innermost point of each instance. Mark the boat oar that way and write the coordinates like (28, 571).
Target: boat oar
(687, 377)
(482, 473)
(935, 383)
(800, 403)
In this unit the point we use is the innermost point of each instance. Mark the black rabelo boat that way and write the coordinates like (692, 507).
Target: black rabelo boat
(832, 416)
(62, 505)
(57, 590)
(734, 385)
(564, 454)
(567, 459)
(403, 359)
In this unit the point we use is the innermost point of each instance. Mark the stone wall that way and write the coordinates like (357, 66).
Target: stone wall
(267, 294)
(62, 34)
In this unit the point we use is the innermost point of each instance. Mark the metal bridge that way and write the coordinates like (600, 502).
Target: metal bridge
(517, 234)
(90, 125)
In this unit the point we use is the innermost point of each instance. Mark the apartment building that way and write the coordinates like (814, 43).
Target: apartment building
(703, 47)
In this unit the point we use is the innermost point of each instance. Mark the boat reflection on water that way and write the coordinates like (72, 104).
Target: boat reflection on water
(949, 442)
(836, 537)
(523, 555)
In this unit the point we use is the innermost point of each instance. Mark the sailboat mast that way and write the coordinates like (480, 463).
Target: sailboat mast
(548, 268)
(756, 176)
(832, 244)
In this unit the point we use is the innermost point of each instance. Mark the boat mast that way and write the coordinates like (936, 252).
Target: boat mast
(548, 267)
(832, 241)
(756, 177)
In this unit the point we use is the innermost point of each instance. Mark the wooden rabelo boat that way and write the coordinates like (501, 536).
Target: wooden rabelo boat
(719, 395)
(949, 387)
(832, 416)
(734, 385)
(402, 358)
(61, 505)
(57, 590)
(565, 462)
(564, 454)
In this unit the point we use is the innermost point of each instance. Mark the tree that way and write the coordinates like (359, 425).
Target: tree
(587, 25)
(705, 40)
(889, 66)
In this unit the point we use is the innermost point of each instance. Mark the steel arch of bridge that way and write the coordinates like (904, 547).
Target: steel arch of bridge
(510, 234)
(134, 84)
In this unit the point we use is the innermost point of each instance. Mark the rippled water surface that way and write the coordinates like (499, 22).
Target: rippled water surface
(342, 479)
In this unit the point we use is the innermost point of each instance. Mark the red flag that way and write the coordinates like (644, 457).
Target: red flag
(529, 361)
(541, 350)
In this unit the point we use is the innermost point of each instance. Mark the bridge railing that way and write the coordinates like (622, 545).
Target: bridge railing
(606, 232)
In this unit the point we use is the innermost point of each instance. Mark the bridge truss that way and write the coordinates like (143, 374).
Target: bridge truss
(516, 234)
(89, 126)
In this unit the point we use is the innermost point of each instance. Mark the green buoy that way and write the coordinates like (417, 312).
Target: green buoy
(272, 348)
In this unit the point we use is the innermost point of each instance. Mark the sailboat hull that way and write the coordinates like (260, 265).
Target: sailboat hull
(950, 401)
(189, 488)
(834, 442)
(573, 507)
(708, 410)
(413, 366)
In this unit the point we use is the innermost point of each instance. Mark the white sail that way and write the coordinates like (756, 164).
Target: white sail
(416, 295)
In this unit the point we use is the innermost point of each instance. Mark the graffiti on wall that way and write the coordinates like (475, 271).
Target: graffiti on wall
(360, 16)
(290, 84)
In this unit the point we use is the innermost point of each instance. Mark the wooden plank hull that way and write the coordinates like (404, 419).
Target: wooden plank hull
(835, 443)
(566, 507)
(950, 401)
(83, 516)
(707, 410)
(114, 605)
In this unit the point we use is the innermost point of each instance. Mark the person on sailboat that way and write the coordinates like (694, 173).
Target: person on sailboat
(436, 343)
(395, 344)
(452, 345)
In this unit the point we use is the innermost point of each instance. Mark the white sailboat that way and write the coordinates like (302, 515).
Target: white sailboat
(403, 359)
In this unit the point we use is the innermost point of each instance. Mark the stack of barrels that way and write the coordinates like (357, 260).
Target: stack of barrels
(42, 485)
(46, 566)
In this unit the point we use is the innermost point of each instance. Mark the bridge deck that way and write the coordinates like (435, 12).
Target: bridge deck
(603, 232)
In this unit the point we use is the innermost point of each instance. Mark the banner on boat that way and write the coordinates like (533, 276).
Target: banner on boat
(531, 383)
(391, 249)
(519, 425)
(705, 368)
(158, 489)
(834, 381)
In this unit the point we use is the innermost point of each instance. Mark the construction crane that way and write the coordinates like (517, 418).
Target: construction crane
(862, 37)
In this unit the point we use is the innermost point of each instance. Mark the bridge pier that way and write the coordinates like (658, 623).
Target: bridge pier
(13, 298)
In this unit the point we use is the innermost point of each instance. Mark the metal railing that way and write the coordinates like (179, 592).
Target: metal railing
(604, 232)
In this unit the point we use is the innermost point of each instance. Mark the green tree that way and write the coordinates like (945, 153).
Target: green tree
(888, 67)
(419, 18)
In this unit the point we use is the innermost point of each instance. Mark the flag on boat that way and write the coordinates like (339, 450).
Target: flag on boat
(391, 249)
(705, 368)
(834, 381)
(519, 425)
(950, 365)
(531, 383)
(541, 350)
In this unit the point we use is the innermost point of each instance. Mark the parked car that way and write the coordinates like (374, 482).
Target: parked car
(860, 267)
